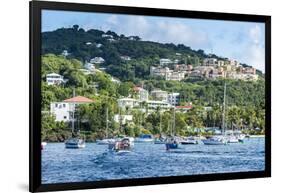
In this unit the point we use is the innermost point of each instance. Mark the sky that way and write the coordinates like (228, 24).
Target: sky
(243, 41)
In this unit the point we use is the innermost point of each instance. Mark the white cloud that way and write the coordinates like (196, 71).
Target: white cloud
(158, 30)
(256, 50)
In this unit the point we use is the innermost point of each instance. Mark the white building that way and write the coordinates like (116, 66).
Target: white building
(90, 66)
(63, 111)
(159, 95)
(97, 60)
(210, 62)
(106, 36)
(128, 103)
(136, 103)
(175, 76)
(165, 61)
(123, 118)
(220, 63)
(234, 63)
(126, 58)
(98, 45)
(142, 94)
(54, 79)
(151, 104)
(65, 53)
(159, 71)
(174, 98)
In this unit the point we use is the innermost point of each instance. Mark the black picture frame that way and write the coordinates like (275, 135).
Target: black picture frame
(35, 96)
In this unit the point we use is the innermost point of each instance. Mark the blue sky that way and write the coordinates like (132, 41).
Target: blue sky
(243, 41)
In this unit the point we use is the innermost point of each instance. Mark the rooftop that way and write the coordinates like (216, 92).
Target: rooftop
(78, 99)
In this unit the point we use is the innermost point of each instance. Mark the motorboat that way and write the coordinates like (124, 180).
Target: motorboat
(144, 138)
(215, 140)
(74, 143)
(124, 145)
(189, 141)
(172, 143)
(105, 141)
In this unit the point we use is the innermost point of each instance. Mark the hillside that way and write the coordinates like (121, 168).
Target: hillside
(84, 45)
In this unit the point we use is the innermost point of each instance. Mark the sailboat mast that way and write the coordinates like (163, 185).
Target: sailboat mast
(223, 115)
(174, 121)
(160, 125)
(106, 122)
(73, 112)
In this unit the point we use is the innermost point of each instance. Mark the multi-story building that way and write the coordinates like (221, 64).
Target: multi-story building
(233, 62)
(97, 60)
(159, 95)
(165, 61)
(54, 79)
(128, 103)
(210, 62)
(175, 76)
(142, 94)
(159, 71)
(174, 99)
(220, 63)
(63, 111)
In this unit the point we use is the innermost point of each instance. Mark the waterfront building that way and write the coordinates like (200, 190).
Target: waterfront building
(63, 111)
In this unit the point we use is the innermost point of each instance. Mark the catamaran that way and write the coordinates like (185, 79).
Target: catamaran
(218, 139)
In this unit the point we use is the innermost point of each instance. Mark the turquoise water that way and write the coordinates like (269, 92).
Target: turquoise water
(95, 163)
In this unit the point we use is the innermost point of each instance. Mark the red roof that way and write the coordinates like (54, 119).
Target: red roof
(137, 88)
(78, 99)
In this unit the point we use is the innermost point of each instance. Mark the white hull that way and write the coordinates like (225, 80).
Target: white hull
(189, 142)
(105, 141)
(142, 140)
(74, 143)
(208, 142)
(215, 141)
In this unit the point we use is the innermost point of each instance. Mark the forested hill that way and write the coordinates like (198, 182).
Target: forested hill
(75, 40)
(84, 45)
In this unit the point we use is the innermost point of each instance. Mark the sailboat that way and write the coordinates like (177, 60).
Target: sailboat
(218, 139)
(172, 142)
(75, 141)
(161, 139)
(107, 140)
(232, 138)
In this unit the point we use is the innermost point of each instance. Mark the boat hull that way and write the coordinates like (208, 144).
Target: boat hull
(214, 142)
(75, 143)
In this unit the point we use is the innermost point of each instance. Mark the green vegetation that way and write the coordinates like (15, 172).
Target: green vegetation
(245, 100)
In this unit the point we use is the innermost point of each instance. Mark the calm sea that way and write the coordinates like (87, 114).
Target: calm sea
(94, 162)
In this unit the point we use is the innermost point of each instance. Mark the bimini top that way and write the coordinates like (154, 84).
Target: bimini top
(78, 99)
